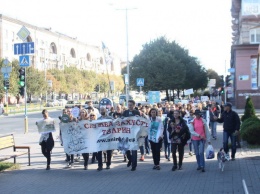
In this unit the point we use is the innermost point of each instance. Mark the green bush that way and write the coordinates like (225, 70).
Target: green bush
(249, 109)
(250, 130)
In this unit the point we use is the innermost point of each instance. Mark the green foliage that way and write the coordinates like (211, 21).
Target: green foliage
(166, 65)
(8, 165)
(212, 74)
(250, 130)
(249, 109)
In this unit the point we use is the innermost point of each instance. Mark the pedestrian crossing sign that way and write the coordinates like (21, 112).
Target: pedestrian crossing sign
(140, 81)
(24, 61)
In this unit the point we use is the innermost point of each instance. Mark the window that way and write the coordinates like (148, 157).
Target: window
(255, 35)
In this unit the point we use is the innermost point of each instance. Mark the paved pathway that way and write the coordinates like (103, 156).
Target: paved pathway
(119, 179)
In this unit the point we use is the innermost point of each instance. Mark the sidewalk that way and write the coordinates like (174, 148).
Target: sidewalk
(119, 179)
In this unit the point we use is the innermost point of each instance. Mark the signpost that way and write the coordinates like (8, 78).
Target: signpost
(24, 49)
(140, 82)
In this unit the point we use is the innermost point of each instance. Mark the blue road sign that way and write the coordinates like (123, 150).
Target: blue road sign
(140, 81)
(24, 48)
(24, 61)
(6, 76)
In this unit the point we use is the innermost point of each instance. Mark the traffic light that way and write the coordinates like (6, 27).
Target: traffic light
(221, 91)
(222, 83)
(21, 81)
(229, 81)
(21, 91)
(22, 77)
(6, 84)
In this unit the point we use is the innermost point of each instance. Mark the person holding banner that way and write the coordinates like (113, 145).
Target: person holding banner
(179, 135)
(70, 157)
(92, 116)
(84, 116)
(108, 155)
(155, 136)
(131, 154)
(46, 139)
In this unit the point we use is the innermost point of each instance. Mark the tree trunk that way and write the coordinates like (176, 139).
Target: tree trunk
(167, 95)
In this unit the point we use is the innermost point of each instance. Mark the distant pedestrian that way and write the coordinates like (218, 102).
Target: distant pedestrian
(231, 126)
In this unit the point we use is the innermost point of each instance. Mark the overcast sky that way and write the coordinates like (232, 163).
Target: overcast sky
(201, 26)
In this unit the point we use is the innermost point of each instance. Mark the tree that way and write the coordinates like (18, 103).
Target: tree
(166, 65)
(35, 82)
(212, 74)
(249, 110)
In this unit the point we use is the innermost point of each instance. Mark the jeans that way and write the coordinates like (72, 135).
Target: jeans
(199, 152)
(226, 136)
(132, 157)
(180, 148)
(190, 145)
(213, 126)
(167, 148)
(147, 148)
(141, 150)
(156, 152)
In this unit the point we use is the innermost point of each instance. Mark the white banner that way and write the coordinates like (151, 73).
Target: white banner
(99, 135)
(188, 92)
(45, 126)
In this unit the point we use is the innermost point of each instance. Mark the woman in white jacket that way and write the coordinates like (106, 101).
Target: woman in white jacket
(155, 136)
(200, 134)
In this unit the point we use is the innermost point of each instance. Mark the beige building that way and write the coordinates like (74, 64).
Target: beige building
(55, 49)
(244, 52)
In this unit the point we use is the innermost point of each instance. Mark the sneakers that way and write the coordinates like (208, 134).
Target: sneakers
(174, 168)
(108, 167)
(169, 159)
(202, 169)
(85, 167)
(133, 168)
(190, 153)
(199, 168)
(99, 168)
(48, 167)
(158, 168)
(154, 167)
(180, 168)
(227, 157)
(128, 164)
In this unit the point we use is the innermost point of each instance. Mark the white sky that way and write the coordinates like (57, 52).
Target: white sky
(201, 26)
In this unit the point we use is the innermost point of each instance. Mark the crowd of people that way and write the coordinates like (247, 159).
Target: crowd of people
(176, 126)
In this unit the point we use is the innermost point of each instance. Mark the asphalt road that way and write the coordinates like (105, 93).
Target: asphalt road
(15, 123)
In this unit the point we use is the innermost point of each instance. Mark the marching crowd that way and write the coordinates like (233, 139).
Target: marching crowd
(176, 125)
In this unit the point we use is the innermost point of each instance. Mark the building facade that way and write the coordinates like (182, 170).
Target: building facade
(244, 64)
(56, 50)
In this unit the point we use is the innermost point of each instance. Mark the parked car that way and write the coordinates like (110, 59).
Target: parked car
(72, 103)
(62, 102)
(52, 103)
(95, 104)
